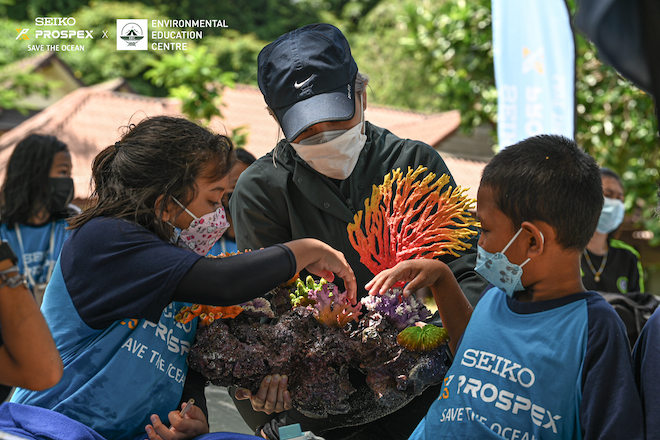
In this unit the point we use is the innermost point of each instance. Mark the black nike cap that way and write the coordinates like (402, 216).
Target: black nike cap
(308, 76)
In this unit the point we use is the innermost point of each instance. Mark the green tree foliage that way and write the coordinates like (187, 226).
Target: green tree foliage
(267, 19)
(194, 78)
(28, 9)
(236, 52)
(439, 56)
(617, 126)
(101, 61)
(17, 82)
(12, 50)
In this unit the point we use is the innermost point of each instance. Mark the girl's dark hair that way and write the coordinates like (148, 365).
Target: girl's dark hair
(25, 191)
(548, 178)
(162, 155)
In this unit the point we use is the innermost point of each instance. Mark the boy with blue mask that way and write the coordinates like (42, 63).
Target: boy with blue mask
(551, 360)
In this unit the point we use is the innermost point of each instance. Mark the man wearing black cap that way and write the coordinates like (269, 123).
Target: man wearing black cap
(318, 177)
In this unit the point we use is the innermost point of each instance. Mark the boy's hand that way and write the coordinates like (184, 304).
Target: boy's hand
(191, 425)
(272, 396)
(417, 274)
(454, 308)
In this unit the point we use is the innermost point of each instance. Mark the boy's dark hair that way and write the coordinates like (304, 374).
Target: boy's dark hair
(25, 191)
(162, 155)
(548, 178)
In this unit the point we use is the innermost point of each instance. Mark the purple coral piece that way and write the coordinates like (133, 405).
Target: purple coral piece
(403, 311)
(333, 307)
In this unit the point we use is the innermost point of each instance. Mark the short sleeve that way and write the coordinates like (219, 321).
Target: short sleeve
(115, 269)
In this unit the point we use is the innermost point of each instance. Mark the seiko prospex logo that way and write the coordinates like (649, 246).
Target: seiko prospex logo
(22, 34)
(132, 34)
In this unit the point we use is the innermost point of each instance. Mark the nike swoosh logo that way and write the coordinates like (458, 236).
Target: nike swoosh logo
(298, 85)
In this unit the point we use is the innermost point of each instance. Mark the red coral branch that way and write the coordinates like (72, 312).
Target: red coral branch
(406, 218)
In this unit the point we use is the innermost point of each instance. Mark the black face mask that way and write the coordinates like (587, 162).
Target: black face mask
(61, 193)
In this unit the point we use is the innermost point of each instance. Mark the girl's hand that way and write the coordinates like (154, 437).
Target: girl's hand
(272, 396)
(322, 260)
(191, 425)
(419, 273)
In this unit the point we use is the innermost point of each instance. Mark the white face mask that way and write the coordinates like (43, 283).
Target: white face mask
(333, 153)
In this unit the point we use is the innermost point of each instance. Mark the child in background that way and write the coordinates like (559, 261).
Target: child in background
(121, 278)
(35, 205)
(227, 243)
(610, 265)
(539, 357)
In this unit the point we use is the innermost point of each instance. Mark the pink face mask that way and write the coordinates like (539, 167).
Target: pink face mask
(203, 231)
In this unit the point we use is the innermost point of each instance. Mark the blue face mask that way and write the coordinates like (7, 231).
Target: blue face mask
(611, 216)
(499, 271)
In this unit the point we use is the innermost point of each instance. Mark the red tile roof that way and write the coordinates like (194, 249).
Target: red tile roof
(91, 118)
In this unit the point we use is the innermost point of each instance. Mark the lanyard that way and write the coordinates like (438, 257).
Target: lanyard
(28, 273)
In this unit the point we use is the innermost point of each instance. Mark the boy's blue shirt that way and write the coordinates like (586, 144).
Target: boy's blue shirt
(557, 369)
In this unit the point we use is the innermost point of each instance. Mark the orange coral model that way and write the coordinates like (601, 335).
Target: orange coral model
(207, 314)
(406, 218)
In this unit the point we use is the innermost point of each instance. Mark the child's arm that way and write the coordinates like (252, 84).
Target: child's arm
(454, 308)
(28, 355)
(245, 276)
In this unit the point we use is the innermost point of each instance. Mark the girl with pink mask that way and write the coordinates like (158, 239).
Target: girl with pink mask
(134, 258)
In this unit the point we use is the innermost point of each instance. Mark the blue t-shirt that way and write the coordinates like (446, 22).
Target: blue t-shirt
(36, 247)
(557, 369)
(108, 307)
(224, 245)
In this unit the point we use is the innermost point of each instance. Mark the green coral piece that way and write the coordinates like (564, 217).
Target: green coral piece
(426, 338)
(299, 296)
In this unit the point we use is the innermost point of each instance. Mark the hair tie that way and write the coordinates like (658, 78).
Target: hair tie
(117, 145)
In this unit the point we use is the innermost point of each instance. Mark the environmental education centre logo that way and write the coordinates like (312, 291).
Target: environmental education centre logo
(132, 34)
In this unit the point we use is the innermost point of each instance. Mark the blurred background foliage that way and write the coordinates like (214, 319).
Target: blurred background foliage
(423, 55)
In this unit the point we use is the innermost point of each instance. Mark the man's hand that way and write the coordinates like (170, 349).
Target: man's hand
(272, 396)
